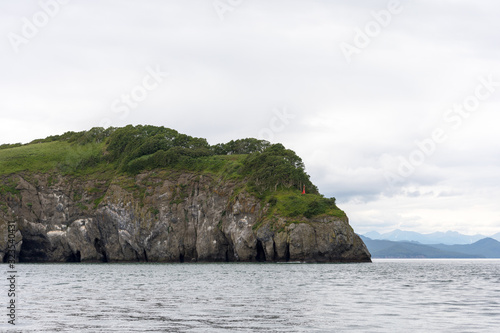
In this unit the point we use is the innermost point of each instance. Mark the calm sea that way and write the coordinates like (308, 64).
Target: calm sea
(385, 296)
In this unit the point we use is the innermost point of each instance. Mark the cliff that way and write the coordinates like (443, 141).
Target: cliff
(168, 215)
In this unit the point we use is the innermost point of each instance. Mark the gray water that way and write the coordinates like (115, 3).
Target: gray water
(385, 296)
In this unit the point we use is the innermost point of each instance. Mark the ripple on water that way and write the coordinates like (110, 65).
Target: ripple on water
(388, 295)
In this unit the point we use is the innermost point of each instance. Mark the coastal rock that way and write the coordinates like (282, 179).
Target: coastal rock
(184, 217)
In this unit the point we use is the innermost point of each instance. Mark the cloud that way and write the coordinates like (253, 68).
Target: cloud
(353, 122)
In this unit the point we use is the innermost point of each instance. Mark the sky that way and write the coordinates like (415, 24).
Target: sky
(392, 105)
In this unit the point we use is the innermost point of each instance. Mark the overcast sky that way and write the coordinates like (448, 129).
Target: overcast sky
(393, 106)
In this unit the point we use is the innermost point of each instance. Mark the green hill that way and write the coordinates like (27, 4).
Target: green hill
(271, 172)
(149, 193)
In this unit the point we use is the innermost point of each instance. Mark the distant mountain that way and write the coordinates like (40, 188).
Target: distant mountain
(484, 248)
(391, 249)
(372, 235)
(487, 247)
(449, 237)
(496, 236)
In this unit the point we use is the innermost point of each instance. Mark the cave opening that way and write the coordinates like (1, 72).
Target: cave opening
(287, 252)
(261, 254)
(75, 257)
(99, 247)
(33, 250)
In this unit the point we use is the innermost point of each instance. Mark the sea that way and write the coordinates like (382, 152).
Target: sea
(388, 295)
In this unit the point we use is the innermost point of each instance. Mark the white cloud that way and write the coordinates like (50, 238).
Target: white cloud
(352, 121)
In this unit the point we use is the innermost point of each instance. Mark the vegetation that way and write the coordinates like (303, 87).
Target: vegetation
(5, 146)
(269, 171)
(276, 168)
(293, 204)
(8, 186)
(44, 157)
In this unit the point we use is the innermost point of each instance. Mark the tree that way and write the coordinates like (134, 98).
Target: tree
(277, 167)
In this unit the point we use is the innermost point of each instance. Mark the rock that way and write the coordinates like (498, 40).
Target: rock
(179, 218)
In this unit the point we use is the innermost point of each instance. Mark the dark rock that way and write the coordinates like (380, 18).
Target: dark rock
(67, 222)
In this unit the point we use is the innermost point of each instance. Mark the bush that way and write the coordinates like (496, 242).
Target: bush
(315, 208)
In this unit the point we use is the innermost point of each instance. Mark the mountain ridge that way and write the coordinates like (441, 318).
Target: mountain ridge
(483, 248)
(447, 238)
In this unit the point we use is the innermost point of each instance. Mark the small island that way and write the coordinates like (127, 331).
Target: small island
(151, 194)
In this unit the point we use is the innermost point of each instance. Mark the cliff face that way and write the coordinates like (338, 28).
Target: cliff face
(184, 217)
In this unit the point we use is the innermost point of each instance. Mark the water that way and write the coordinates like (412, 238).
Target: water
(385, 296)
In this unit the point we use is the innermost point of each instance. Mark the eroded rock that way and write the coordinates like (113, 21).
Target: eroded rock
(183, 218)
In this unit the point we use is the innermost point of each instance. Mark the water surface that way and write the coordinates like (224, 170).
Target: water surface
(385, 296)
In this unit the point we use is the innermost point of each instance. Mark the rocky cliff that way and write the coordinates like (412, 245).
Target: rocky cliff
(169, 217)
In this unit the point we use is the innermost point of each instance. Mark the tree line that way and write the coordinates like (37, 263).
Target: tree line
(132, 149)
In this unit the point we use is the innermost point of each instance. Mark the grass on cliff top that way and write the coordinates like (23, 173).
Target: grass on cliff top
(293, 203)
(45, 157)
(84, 160)
(295, 207)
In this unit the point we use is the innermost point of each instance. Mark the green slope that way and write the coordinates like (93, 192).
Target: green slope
(271, 172)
